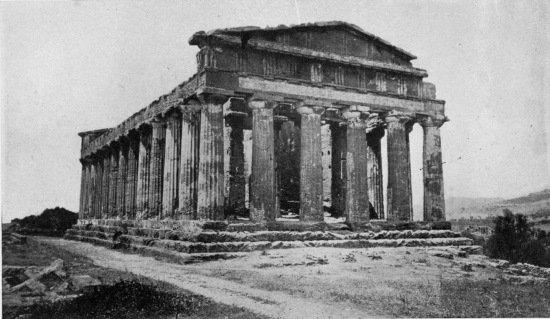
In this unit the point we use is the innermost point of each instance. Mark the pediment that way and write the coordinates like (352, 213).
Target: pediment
(334, 37)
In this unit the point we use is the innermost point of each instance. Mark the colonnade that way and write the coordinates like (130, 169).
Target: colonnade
(172, 167)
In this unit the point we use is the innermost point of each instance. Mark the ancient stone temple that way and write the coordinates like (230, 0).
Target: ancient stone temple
(244, 136)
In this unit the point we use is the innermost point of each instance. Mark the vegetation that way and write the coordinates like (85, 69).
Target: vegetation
(186, 305)
(52, 221)
(125, 299)
(513, 240)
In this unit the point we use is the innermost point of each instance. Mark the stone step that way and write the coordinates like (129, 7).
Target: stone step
(240, 226)
(108, 232)
(198, 247)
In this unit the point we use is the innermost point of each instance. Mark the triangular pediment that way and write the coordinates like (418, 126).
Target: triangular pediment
(334, 37)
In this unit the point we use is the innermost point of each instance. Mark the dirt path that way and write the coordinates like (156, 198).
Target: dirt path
(270, 303)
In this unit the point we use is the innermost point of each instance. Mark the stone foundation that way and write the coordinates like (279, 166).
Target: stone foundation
(198, 237)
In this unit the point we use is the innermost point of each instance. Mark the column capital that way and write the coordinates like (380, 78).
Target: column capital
(157, 122)
(211, 98)
(261, 104)
(375, 123)
(400, 117)
(431, 121)
(356, 119)
(309, 109)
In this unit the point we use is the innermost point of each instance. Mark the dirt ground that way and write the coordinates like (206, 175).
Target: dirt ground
(313, 283)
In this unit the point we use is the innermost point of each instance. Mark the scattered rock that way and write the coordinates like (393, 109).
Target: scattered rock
(503, 264)
(441, 253)
(349, 258)
(472, 250)
(83, 283)
(466, 267)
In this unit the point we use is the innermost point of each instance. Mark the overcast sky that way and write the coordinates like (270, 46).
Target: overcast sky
(68, 67)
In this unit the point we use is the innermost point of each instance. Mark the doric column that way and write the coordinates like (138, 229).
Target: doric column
(237, 180)
(98, 186)
(113, 182)
(105, 189)
(375, 132)
(121, 178)
(82, 190)
(91, 193)
(434, 200)
(187, 198)
(338, 164)
(132, 176)
(210, 197)
(172, 155)
(399, 199)
(262, 180)
(144, 161)
(277, 127)
(87, 188)
(357, 200)
(158, 139)
(311, 168)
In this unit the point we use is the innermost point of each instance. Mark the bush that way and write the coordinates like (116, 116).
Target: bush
(53, 219)
(512, 241)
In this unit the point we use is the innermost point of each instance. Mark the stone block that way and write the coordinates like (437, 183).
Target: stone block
(83, 283)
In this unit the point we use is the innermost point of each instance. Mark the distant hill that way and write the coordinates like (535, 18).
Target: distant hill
(463, 207)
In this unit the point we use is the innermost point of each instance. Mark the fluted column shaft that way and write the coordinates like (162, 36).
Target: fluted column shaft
(357, 200)
(311, 168)
(82, 190)
(105, 189)
(374, 168)
(237, 180)
(113, 183)
(338, 164)
(98, 187)
(158, 139)
(142, 189)
(210, 197)
(399, 198)
(132, 178)
(189, 158)
(262, 181)
(121, 179)
(91, 193)
(434, 199)
(172, 156)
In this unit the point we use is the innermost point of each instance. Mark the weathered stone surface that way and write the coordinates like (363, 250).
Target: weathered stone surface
(83, 283)
(158, 143)
(338, 169)
(374, 166)
(187, 204)
(211, 174)
(311, 174)
(357, 200)
(398, 192)
(188, 174)
(262, 179)
(144, 161)
(172, 155)
(434, 198)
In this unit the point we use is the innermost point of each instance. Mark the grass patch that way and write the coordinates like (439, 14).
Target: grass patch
(467, 298)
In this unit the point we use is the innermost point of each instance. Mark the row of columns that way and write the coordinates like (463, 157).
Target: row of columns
(174, 167)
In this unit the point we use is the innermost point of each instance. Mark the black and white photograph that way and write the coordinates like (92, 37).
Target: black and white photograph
(275, 159)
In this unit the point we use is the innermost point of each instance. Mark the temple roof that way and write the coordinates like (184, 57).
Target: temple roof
(252, 30)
